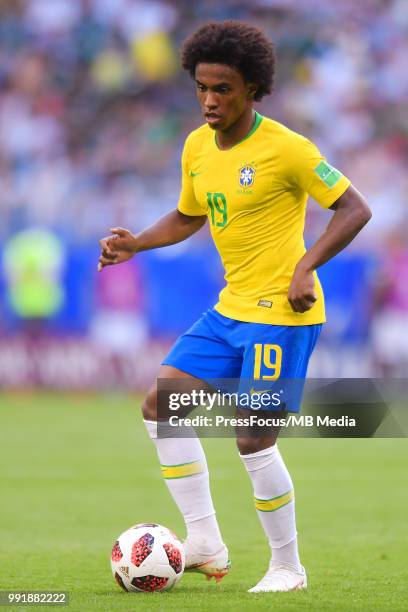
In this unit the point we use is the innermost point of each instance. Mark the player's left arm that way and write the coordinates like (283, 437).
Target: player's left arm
(351, 213)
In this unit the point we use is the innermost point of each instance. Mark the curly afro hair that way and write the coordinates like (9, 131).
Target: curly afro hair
(236, 44)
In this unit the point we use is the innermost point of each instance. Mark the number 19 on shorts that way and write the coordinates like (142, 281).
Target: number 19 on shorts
(267, 357)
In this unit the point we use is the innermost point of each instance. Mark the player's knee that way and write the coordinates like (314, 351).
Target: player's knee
(149, 406)
(247, 446)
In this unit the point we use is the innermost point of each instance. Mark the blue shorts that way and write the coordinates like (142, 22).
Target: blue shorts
(217, 347)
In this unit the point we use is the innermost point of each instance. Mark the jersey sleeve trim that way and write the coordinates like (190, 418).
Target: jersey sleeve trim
(191, 214)
(335, 193)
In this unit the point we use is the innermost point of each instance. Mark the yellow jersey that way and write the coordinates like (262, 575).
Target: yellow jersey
(255, 195)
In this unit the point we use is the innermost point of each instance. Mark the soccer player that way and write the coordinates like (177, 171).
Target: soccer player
(250, 177)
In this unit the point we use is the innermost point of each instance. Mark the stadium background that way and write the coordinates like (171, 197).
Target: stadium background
(93, 113)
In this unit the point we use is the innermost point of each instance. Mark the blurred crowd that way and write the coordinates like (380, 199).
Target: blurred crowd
(94, 109)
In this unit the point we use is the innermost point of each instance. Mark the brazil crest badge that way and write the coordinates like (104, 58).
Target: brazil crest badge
(246, 176)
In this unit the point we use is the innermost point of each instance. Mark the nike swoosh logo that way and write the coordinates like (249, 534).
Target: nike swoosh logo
(252, 391)
(193, 174)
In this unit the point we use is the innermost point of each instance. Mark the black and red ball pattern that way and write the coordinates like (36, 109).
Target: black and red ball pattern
(174, 556)
(116, 552)
(141, 549)
(149, 583)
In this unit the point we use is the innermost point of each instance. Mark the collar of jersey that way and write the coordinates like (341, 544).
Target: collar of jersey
(257, 123)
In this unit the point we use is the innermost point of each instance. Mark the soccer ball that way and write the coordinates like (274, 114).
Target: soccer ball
(147, 557)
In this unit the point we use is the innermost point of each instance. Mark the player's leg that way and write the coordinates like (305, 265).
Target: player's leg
(184, 469)
(281, 353)
(197, 355)
(274, 502)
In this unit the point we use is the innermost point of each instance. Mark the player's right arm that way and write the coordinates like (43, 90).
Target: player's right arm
(174, 227)
(170, 229)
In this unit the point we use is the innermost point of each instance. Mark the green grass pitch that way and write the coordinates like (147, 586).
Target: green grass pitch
(78, 470)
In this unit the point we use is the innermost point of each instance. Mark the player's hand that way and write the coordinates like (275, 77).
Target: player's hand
(115, 249)
(301, 294)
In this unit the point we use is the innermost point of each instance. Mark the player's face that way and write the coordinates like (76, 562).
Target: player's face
(223, 94)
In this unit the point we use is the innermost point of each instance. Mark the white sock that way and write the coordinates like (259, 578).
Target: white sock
(184, 469)
(274, 501)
